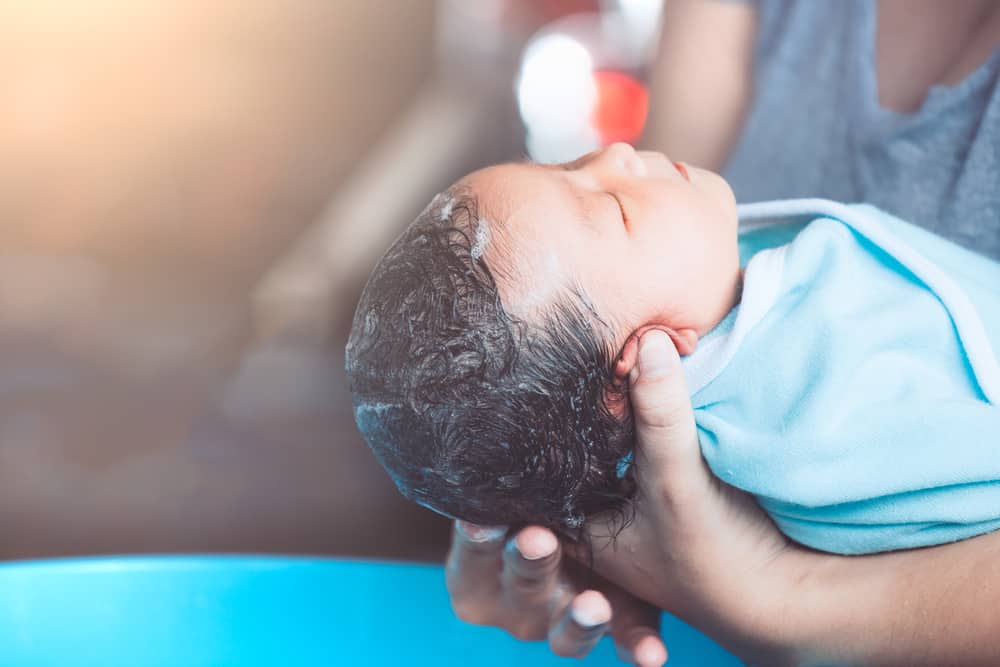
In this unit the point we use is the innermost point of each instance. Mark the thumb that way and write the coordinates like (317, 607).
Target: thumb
(666, 437)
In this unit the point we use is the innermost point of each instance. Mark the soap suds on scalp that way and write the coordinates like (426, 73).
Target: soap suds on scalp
(445, 211)
(481, 239)
(432, 205)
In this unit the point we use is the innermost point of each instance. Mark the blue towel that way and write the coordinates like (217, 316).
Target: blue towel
(855, 389)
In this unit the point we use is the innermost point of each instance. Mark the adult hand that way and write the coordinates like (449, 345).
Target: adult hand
(707, 553)
(696, 547)
(524, 585)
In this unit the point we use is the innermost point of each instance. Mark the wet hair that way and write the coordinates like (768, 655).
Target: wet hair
(475, 413)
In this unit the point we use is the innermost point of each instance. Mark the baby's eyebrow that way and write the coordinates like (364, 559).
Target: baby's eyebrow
(567, 187)
(527, 161)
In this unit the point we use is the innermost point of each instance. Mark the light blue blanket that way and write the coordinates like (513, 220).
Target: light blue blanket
(855, 389)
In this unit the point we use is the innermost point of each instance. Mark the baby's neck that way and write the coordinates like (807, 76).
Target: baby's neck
(734, 300)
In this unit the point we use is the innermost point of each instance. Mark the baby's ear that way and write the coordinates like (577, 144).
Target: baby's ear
(685, 340)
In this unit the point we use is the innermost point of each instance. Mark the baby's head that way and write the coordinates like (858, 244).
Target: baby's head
(491, 348)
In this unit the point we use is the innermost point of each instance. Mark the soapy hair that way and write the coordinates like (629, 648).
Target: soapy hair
(474, 413)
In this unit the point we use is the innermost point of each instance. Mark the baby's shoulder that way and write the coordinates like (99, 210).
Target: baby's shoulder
(854, 228)
(824, 230)
(824, 241)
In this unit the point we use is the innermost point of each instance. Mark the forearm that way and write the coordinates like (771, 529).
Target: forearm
(702, 80)
(930, 606)
(706, 552)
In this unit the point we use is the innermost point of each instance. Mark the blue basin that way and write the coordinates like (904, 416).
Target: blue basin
(246, 610)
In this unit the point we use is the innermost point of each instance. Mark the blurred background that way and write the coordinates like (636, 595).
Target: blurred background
(192, 194)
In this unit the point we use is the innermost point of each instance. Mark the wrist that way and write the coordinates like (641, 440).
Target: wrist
(914, 607)
(757, 615)
(824, 609)
(803, 609)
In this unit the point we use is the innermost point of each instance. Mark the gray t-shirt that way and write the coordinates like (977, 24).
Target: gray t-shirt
(816, 129)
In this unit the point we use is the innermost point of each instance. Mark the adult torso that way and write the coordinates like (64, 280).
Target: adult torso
(822, 125)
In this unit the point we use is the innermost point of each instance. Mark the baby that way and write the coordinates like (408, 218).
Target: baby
(490, 350)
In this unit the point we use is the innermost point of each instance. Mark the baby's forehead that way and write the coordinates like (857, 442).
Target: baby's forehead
(517, 204)
(496, 190)
(501, 190)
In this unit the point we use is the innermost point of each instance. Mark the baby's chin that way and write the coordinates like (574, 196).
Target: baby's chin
(711, 182)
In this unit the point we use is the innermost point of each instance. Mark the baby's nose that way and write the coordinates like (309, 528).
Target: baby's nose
(622, 156)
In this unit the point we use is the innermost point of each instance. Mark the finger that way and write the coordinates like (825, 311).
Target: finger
(643, 647)
(635, 628)
(667, 458)
(666, 450)
(581, 626)
(659, 396)
(669, 470)
(531, 569)
(531, 583)
(473, 568)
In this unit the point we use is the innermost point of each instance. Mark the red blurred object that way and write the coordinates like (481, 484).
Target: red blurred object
(553, 9)
(622, 104)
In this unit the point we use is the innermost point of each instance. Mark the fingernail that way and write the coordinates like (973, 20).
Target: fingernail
(589, 611)
(654, 353)
(536, 545)
(476, 533)
(650, 654)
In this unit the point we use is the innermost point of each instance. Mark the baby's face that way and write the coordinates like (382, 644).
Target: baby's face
(648, 241)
